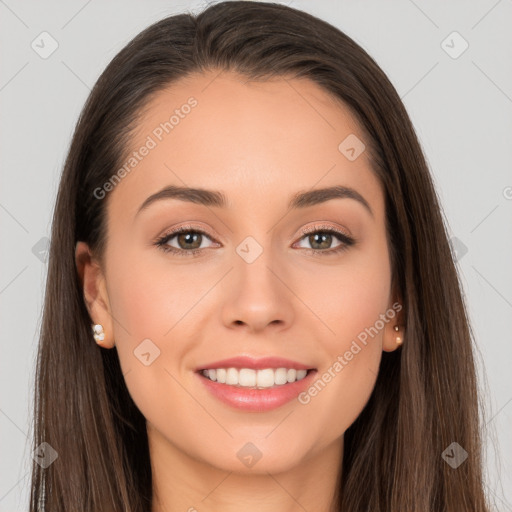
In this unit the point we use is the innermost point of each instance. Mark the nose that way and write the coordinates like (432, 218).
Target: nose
(258, 296)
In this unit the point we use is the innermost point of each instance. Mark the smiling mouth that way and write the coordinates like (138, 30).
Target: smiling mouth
(250, 378)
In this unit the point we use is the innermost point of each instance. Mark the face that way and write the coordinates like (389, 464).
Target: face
(256, 276)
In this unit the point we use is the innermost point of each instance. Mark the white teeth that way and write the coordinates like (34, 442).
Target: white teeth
(280, 376)
(220, 374)
(247, 377)
(265, 378)
(231, 376)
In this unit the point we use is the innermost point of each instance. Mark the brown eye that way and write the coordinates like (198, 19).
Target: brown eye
(184, 242)
(189, 240)
(320, 240)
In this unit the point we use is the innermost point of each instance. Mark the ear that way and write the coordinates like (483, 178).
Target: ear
(94, 288)
(393, 338)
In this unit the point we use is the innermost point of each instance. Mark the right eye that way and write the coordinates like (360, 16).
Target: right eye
(190, 241)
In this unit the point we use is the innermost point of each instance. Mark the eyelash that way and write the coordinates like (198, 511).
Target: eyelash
(346, 241)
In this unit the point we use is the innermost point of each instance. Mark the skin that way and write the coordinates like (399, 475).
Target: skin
(258, 143)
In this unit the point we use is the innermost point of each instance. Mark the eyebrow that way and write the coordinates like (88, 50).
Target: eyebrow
(302, 199)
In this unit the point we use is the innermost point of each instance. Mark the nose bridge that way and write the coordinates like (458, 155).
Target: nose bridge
(258, 296)
(254, 251)
(254, 264)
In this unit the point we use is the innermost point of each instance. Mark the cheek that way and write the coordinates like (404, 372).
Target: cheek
(149, 306)
(352, 304)
(153, 307)
(150, 295)
(350, 298)
(362, 299)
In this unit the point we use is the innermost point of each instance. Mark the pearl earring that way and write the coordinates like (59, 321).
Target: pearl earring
(398, 339)
(98, 333)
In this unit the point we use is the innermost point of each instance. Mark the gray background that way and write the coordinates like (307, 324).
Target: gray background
(461, 108)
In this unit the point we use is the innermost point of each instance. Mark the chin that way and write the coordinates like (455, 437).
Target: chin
(254, 459)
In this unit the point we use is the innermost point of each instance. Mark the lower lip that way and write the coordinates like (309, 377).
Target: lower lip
(257, 400)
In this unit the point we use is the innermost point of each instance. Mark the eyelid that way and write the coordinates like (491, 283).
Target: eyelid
(185, 228)
(317, 227)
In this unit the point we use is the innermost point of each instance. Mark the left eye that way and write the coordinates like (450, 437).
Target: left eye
(324, 239)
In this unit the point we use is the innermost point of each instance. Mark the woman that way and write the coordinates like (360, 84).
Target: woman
(251, 299)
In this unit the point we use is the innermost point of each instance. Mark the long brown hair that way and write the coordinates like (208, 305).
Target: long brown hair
(425, 397)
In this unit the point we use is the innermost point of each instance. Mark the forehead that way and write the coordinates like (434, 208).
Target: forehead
(236, 107)
(254, 140)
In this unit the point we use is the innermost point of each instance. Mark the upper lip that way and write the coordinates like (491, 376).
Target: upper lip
(256, 364)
